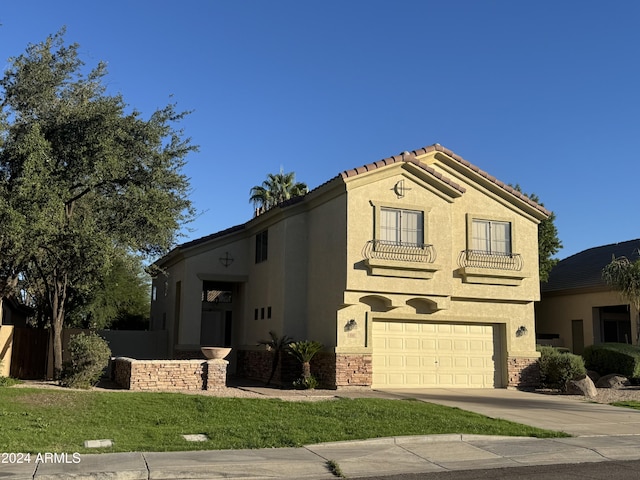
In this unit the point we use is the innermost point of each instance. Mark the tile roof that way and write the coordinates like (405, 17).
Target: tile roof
(403, 157)
(439, 148)
(198, 241)
(584, 269)
(409, 157)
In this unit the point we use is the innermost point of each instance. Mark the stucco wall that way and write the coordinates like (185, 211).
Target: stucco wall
(6, 338)
(326, 268)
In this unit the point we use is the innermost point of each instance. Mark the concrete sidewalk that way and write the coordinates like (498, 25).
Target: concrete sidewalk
(385, 456)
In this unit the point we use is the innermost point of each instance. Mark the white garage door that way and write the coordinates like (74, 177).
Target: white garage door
(408, 354)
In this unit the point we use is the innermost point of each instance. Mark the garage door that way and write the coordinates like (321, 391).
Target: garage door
(407, 354)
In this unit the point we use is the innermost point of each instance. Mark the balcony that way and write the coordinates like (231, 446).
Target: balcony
(392, 259)
(498, 261)
(401, 252)
(490, 268)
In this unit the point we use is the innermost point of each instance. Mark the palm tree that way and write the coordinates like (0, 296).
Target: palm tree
(276, 345)
(276, 189)
(304, 351)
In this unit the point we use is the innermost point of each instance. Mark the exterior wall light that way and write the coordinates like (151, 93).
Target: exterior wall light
(522, 330)
(351, 324)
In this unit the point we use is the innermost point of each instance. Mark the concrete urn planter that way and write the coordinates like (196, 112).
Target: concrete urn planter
(215, 353)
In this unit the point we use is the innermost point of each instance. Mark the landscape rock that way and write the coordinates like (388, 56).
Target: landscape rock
(593, 375)
(582, 386)
(613, 380)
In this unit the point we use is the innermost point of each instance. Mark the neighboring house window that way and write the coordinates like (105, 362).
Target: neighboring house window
(401, 227)
(262, 241)
(491, 237)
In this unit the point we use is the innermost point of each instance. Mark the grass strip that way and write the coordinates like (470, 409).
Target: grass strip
(40, 420)
(629, 404)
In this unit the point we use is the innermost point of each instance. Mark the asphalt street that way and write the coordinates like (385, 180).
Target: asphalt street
(629, 470)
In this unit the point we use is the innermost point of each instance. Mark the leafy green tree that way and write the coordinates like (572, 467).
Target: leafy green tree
(87, 175)
(120, 299)
(623, 275)
(276, 189)
(548, 242)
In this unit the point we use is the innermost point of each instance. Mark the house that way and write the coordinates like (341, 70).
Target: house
(578, 308)
(418, 270)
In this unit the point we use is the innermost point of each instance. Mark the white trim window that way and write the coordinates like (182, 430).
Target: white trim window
(401, 227)
(491, 237)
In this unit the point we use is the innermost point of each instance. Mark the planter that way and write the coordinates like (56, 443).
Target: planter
(215, 353)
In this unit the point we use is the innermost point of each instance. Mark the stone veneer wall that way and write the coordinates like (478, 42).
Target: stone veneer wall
(330, 369)
(148, 375)
(256, 365)
(523, 373)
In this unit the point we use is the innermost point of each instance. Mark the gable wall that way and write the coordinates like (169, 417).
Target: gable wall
(446, 228)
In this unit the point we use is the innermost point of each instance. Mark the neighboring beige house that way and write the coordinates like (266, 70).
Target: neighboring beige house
(418, 270)
(578, 308)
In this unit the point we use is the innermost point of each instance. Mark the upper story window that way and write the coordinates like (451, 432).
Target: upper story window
(262, 244)
(491, 237)
(401, 227)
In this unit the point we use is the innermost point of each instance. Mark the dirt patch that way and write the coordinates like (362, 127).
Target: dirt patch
(49, 394)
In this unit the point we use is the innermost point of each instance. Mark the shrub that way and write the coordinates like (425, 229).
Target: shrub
(557, 368)
(8, 381)
(607, 358)
(89, 355)
(308, 383)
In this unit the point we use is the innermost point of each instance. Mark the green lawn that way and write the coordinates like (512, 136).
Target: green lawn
(631, 404)
(41, 420)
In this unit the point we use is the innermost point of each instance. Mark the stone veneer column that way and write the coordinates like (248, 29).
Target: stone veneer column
(216, 374)
(353, 370)
(523, 373)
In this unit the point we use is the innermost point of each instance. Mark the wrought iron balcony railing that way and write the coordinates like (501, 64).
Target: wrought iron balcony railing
(399, 251)
(498, 261)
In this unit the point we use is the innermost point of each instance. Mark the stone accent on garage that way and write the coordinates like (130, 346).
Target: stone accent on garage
(523, 373)
(353, 370)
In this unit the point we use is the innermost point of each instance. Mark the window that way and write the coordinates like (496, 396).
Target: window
(491, 237)
(401, 227)
(262, 241)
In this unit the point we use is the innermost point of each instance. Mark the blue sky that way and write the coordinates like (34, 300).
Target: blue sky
(543, 94)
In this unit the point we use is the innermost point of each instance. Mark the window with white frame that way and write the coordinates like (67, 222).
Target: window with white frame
(491, 237)
(401, 227)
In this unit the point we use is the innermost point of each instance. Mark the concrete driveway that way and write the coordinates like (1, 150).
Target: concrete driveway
(553, 412)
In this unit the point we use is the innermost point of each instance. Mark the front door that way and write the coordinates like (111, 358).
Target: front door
(216, 317)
